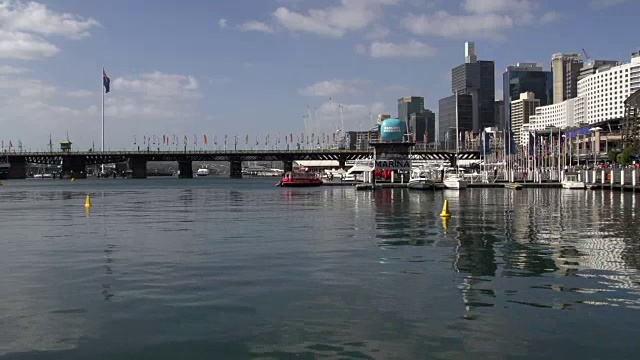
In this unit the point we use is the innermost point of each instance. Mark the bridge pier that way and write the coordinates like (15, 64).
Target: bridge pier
(186, 169)
(235, 169)
(17, 169)
(74, 167)
(342, 163)
(287, 165)
(138, 168)
(453, 160)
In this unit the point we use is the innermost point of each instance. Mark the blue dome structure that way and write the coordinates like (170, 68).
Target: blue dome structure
(393, 130)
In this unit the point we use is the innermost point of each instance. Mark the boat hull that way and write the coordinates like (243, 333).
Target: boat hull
(300, 184)
(4, 171)
(455, 184)
(577, 185)
(425, 185)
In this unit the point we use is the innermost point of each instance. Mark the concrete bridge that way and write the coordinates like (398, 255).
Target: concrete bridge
(74, 163)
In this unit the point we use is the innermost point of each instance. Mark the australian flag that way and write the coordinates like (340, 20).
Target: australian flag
(105, 81)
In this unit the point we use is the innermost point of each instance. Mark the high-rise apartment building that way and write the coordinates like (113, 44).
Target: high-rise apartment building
(409, 105)
(594, 66)
(566, 69)
(476, 78)
(522, 78)
(521, 110)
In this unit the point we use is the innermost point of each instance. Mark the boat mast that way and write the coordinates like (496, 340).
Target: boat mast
(457, 133)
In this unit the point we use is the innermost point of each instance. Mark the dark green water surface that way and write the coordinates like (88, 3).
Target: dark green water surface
(239, 269)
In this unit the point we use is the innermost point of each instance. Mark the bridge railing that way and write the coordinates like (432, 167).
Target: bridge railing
(182, 152)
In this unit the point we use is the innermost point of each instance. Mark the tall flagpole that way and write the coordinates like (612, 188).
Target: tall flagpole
(103, 90)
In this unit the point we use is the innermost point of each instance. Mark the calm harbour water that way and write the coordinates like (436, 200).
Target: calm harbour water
(239, 269)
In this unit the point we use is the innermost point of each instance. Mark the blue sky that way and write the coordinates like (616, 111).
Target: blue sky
(257, 67)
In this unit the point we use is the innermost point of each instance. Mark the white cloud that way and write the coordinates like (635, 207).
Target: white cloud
(326, 118)
(550, 16)
(23, 46)
(332, 21)
(11, 70)
(31, 110)
(153, 97)
(488, 19)
(37, 18)
(377, 33)
(23, 25)
(396, 88)
(158, 85)
(499, 6)
(459, 26)
(80, 93)
(412, 48)
(256, 26)
(222, 23)
(333, 87)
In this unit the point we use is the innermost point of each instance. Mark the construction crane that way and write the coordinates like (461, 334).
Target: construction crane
(586, 56)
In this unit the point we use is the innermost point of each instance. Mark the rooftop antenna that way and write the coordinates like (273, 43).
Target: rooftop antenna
(51, 143)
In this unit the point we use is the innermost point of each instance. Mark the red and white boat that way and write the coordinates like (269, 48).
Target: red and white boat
(300, 179)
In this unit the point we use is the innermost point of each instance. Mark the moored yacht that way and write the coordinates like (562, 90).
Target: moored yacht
(455, 181)
(571, 181)
(421, 179)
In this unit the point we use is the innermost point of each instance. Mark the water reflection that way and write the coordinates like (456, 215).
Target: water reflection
(563, 234)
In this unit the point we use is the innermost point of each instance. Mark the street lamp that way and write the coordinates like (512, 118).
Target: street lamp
(594, 131)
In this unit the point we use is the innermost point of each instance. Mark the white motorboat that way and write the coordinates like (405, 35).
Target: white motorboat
(421, 180)
(571, 181)
(202, 172)
(455, 181)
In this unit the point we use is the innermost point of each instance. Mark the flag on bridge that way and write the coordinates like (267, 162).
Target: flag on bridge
(106, 82)
(205, 139)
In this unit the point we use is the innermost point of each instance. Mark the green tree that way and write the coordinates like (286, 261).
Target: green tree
(613, 155)
(626, 156)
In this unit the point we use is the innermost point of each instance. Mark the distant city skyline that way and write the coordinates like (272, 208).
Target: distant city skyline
(247, 67)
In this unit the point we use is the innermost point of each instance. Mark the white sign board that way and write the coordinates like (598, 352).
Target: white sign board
(404, 164)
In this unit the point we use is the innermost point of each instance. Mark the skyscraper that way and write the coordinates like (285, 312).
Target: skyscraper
(409, 105)
(566, 69)
(447, 119)
(476, 78)
(423, 126)
(522, 78)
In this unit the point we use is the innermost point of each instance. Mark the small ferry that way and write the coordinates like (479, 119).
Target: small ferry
(299, 179)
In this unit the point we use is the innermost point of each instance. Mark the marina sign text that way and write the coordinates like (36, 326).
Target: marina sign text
(394, 164)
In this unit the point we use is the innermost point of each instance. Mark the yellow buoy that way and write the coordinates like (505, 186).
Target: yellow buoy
(73, 179)
(87, 202)
(445, 222)
(445, 209)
